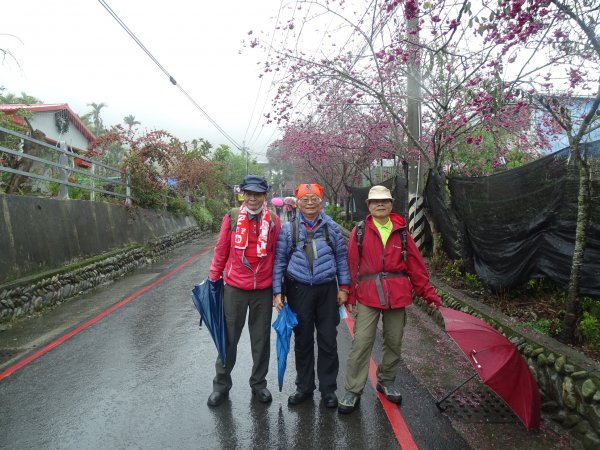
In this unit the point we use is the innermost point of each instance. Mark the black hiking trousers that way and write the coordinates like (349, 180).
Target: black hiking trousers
(317, 309)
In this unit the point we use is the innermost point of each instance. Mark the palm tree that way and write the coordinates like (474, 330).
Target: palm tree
(130, 121)
(13, 99)
(95, 116)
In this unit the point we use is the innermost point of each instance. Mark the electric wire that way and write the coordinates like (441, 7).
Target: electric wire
(171, 79)
(295, 8)
(251, 141)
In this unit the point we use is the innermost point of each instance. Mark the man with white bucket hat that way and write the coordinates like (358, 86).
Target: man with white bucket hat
(385, 266)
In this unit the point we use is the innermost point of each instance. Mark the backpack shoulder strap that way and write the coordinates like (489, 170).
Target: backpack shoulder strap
(326, 237)
(233, 216)
(295, 232)
(403, 239)
(360, 234)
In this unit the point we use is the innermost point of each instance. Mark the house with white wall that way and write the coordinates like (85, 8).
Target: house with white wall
(57, 121)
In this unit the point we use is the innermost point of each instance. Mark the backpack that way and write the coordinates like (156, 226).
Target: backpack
(360, 234)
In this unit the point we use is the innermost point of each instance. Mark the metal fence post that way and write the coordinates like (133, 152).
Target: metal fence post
(128, 190)
(63, 159)
(93, 182)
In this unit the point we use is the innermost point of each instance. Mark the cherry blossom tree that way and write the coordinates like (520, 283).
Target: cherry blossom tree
(335, 149)
(566, 32)
(462, 94)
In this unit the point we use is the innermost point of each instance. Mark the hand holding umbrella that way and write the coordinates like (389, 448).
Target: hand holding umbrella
(278, 302)
(208, 300)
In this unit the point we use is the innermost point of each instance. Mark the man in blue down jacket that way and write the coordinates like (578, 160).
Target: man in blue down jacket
(317, 279)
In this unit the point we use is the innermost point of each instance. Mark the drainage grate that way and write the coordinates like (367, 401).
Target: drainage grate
(482, 406)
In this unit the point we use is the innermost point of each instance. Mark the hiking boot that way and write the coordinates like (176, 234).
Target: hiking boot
(348, 403)
(216, 398)
(299, 397)
(330, 400)
(263, 395)
(391, 393)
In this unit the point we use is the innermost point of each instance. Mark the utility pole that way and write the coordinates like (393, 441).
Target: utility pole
(245, 153)
(416, 218)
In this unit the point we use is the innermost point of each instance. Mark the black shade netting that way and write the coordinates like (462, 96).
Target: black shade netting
(432, 201)
(521, 223)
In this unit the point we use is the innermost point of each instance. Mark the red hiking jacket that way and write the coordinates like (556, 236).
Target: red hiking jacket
(232, 264)
(395, 291)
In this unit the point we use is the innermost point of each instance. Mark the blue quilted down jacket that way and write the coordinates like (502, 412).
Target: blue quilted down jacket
(327, 265)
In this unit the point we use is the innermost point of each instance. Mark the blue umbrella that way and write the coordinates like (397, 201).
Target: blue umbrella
(283, 325)
(208, 300)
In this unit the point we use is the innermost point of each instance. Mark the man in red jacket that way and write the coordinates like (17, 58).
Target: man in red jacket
(384, 270)
(244, 256)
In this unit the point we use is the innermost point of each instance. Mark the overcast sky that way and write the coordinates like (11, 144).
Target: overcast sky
(75, 52)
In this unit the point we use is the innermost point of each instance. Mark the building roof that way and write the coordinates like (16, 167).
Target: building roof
(41, 107)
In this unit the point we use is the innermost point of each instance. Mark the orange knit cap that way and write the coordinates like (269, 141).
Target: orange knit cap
(310, 188)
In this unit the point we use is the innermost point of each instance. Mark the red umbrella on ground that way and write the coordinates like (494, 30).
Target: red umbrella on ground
(497, 362)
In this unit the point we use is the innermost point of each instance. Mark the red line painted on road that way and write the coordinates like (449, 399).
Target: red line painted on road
(392, 411)
(12, 369)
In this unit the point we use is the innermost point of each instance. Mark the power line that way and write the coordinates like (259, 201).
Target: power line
(251, 141)
(171, 79)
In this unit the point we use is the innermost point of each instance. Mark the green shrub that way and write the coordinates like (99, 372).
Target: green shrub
(203, 217)
(532, 284)
(217, 209)
(177, 205)
(545, 326)
(472, 281)
(338, 214)
(590, 330)
(150, 199)
(592, 306)
(77, 193)
(454, 268)
(335, 212)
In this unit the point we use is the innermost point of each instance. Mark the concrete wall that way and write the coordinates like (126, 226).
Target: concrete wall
(39, 234)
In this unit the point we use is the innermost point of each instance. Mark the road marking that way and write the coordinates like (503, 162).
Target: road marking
(392, 411)
(12, 369)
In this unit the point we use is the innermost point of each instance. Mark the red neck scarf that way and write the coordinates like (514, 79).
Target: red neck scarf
(243, 227)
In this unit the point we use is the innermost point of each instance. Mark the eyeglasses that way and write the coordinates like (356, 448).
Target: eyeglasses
(378, 201)
(307, 199)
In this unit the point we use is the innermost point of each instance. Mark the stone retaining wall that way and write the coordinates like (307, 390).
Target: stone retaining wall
(569, 382)
(27, 295)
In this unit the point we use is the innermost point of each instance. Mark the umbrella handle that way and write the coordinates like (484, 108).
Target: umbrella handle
(200, 323)
(473, 353)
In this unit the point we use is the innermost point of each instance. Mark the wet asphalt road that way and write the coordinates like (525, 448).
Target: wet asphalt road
(140, 377)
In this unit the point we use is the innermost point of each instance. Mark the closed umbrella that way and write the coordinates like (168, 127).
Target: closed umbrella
(497, 362)
(208, 300)
(283, 326)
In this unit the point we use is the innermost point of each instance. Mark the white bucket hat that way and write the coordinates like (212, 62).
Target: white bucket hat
(379, 193)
